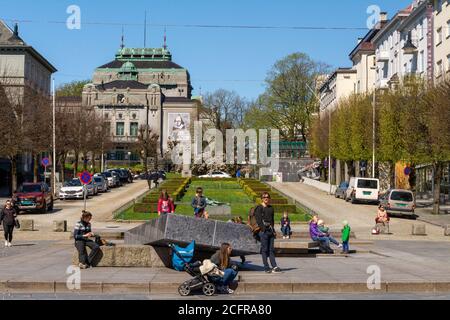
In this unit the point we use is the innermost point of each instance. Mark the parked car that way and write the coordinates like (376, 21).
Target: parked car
(33, 197)
(101, 182)
(216, 174)
(72, 189)
(110, 178)
(122, 176)
(341, 190)
(92, 188)
(398, 202)
(363, 190)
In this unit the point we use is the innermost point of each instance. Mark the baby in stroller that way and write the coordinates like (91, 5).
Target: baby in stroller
(207, 276)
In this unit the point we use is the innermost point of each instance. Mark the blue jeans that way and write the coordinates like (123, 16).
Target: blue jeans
(228, 277)
(345, 246)
(333, 240)
(324, 240)
(286, 230)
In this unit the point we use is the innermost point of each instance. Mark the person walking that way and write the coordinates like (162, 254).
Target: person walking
(264, 215)
(83, 238)
(8, 216)
(199, 203)
(222, 259)
(165, 203)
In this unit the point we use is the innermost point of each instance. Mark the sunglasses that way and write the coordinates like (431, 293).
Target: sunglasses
(266, 197)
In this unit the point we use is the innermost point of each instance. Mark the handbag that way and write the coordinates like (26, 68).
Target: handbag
(17, 223)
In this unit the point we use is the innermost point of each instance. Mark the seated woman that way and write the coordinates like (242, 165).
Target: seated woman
(382, 219)
(83, 238)
(222, 259)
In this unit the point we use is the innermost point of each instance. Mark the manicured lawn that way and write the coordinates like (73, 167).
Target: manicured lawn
(222, 191)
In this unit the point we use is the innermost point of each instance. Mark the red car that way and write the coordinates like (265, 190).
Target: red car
(33, 197)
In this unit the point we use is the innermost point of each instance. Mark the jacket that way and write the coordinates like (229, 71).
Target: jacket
(323, 229)
(346, 233)
(81, 228)
(314, 231)
(8, 216)
(283, 222)
(215, 258)
(264, 215)
(166, 208)
(199, 201)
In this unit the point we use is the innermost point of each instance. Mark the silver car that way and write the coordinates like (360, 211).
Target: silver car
(398, 202)
(102, 184)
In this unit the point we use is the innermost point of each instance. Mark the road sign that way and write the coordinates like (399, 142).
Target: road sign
(45, 162)
(407, 171)
(85, 177)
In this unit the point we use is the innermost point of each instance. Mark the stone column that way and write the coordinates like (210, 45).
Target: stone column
(338, 172)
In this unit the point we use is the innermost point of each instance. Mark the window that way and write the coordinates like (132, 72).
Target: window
(134, 129)
(421, 31)
(439, 36)
(448, 29)
(421, 67)
(439, 68)
(120, 129)
(448, 62)
(439, 5)
(402, 196)
(367, 184)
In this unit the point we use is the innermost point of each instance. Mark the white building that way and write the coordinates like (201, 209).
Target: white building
(404, 45)
(442, 39)
(340, 84)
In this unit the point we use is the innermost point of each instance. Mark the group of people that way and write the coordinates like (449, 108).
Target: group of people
(320, 233)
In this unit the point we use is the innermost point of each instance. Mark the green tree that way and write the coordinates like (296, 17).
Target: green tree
(72, 89)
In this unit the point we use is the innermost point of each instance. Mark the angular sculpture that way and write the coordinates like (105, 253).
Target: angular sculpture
(208, 234)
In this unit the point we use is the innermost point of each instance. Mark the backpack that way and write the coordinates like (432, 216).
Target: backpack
(251, 222)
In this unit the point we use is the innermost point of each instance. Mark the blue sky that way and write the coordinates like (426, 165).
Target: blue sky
(233, 59)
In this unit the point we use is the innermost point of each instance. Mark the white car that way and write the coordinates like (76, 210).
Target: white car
(363, 190)
(216, 174)
(72, 189)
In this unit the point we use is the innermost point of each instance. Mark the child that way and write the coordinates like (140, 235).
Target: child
(326, 231)
(165, 203)
(286, 226)
(345, 237)
(199, 203)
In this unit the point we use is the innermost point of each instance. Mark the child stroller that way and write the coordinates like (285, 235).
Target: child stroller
(199, 280)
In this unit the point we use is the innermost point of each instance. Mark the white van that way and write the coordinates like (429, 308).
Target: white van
(363, 190)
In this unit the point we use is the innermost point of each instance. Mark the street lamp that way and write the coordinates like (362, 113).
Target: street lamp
(129, 159)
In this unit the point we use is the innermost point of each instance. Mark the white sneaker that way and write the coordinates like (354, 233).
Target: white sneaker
(6, 243)
(340, 245)
(9, 244)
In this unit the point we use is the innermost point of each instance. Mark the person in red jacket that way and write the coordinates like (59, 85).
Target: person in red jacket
(165, 203)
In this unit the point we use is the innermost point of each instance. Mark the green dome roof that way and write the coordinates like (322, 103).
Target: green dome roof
(128, 67)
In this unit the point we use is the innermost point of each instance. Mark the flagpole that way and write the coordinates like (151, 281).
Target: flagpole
(54, 137)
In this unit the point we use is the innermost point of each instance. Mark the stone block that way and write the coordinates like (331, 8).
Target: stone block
(26, 224)
(222, 210)
(60, 226)
(126, 256)
(208, 234)
(447, 230)
(418, 230)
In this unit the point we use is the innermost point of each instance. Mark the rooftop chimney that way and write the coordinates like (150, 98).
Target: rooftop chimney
(16, 29)
(383, 16)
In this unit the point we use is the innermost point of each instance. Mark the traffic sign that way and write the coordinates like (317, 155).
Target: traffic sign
(45, 162)
(407, 171)
(85, 177)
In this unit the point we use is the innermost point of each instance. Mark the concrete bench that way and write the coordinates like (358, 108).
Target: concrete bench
(129, 256)
(294, 247)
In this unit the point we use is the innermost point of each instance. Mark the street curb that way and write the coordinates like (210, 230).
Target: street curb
(242, 289)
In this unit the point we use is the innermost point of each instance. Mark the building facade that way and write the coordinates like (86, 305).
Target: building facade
(23, 70)
(441, 14)
(142, 86)
(340, 84)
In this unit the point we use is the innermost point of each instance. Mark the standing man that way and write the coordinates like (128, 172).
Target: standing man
(264, 215)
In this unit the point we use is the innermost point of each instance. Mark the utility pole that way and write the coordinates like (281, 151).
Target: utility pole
(54, 138)
(329, 148)
(373, 130)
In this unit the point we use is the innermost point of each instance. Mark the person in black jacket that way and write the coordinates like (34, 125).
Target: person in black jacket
(82, 235)
(264, 215)
(8, 217)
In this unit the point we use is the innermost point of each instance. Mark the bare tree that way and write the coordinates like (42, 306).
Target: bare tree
(147, 145)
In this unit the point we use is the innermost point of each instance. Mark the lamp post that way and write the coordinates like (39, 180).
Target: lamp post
(54, 138)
